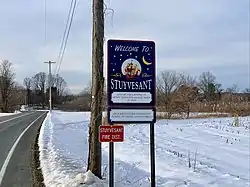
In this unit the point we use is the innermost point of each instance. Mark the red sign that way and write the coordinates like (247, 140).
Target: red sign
(111, 133)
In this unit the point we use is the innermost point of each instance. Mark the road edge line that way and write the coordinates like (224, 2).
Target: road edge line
(7, 159)
(16, 117)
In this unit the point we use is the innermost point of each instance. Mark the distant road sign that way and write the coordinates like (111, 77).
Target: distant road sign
(111, 133)
(131, 73)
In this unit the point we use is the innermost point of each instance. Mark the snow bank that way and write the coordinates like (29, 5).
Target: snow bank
(222, 153)
(58, 169)
(9, 114)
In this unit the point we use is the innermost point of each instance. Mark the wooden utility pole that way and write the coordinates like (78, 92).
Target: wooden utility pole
(95, 152)
(50, 84)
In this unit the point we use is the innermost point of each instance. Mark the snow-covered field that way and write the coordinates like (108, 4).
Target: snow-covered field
(9, 114)
(222, 152)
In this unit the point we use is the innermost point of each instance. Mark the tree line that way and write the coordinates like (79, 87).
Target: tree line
(183, 93)
(37, 91)
(33, 92)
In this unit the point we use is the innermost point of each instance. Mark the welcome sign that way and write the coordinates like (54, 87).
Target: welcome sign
(131, 92)
(131, 73)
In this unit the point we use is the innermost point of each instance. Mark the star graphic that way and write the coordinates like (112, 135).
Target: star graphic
(113, 69)
(147, 68)
(135, 56)
(130, 53)
(114, 56)
(120, 54)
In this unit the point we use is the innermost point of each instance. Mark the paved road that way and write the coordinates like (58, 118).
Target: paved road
(4, 118)
(17, 137)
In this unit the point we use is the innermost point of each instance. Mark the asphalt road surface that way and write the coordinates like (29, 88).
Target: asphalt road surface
(17, 137)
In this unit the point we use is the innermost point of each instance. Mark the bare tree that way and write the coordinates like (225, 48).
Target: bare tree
(167, 82)
(61, 86)
(207, 82)
(247, 90)
(185, 94)
(184, 97)
(27, 82)
(86, 90)
(233, 89)
(85, 96)
(17, 97)
(218, 92)
(187, 80)
(247, 93)
(38, 81)
(7, 82)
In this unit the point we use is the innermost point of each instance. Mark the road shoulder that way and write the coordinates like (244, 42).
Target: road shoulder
(19, 170)
(37, 176)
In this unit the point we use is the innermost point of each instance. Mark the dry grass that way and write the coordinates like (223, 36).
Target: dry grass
(210, 116)
(198, 116)
(37, 176)
(239, 108)
(223, 107)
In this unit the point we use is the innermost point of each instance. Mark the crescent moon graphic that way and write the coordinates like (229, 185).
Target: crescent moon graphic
(145, 62)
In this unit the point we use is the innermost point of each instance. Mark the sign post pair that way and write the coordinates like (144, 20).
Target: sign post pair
(131, 93)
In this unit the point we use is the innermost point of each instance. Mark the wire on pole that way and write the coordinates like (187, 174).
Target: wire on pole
(66, 34)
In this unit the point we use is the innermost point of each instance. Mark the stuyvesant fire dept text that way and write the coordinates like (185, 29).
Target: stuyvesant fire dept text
(107, 130)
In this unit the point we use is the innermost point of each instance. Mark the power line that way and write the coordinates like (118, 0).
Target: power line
(45, 21)
(66, 40)
(67, 35)
(64, 35)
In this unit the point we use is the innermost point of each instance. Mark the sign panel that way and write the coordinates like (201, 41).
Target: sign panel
(131, 73)
(131, 84)
(111, 133)
(135, 115)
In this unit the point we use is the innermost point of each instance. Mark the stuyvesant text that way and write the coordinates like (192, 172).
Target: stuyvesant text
(129, 85)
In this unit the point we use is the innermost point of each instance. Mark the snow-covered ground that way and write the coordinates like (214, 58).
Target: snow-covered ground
(222, 152)
(9, 114)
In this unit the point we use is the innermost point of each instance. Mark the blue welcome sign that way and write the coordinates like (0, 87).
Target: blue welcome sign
(131, 74)
(131, 89)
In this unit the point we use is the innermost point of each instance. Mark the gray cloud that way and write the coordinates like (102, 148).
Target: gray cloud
(192, 36)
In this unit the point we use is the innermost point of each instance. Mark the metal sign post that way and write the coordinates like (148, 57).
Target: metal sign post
(131, 90)
(111, 133)
(111, 164)
(152, 153)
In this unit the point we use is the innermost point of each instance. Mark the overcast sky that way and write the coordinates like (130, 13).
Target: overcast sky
(191, 36)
